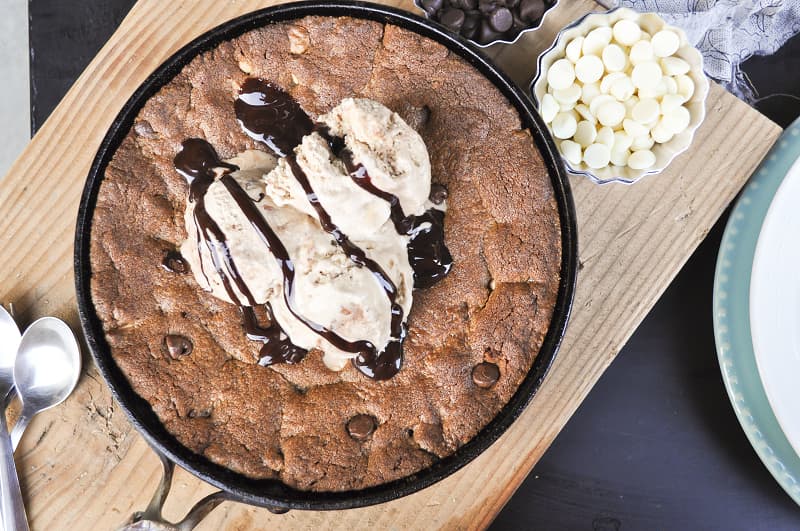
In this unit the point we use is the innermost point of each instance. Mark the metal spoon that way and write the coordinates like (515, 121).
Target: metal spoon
(12, 510)
(46, 370)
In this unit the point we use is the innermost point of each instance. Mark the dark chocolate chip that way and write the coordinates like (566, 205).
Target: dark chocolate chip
(438, 194)
(519, 24)
(177, 346)
(175, 263)
(501, 19)
(361, 427)
(485, 374)
(487, 6)
(452, 18)
(471, 25)
(531, 10)
(431, 6)
(487, 34)
(511, 4)
(465, 5)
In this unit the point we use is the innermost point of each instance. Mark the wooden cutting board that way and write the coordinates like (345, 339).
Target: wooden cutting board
(84, 467)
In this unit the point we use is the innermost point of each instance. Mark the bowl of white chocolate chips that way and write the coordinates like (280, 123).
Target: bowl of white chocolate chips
(622, 93)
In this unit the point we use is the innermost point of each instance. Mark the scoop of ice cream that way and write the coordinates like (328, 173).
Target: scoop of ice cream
(330, 288)
(393, 154)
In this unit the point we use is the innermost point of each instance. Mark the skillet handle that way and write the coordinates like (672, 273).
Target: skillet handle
(152, 518)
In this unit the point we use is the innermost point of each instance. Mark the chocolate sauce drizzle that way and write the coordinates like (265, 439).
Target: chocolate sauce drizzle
(199, 163)
(272, 117)
(385, 364)
(269, 115)
(428, 255)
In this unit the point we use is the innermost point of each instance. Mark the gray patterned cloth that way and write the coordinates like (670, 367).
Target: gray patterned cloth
(727, 32)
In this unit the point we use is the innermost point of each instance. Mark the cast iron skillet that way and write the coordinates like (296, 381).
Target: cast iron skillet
(271, 493)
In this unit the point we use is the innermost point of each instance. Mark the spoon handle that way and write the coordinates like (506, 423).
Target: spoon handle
(19, 428)
(12, 508)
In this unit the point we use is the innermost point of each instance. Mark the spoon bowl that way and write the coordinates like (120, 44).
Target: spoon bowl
(46, 370)
(9, 343)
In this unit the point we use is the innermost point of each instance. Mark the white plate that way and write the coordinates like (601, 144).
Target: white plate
(775, 305)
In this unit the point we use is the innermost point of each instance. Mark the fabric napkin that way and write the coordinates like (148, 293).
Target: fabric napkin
(727, 32)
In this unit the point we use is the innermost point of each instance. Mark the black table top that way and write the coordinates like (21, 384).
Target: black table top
(656, 444)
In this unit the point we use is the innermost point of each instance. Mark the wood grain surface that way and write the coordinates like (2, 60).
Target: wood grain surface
(84, 467)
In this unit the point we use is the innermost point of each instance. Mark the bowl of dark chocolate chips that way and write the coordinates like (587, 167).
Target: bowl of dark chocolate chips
(487, 22)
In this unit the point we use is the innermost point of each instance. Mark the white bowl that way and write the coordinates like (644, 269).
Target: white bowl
(652, 23)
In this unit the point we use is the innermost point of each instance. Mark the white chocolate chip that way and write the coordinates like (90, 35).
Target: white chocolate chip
(672, 85)
(586, 113)
(661, 89)
(564, 125)
(570, 94)
(619, 157)
(611, 113)
(646, 111)
(643, 142)
(630, 103)
(614, 58)
(634, 128)
(648, 92)
(627, 32)
(589, 92)
(589, 69)
(623, 89)
(642, 159)
(596, 40)
(605, 135)
(677, 120)
(574, 49)
(622, 141)
(563, 107)
(610, 79)
(673, 66)
(646, 75)
(671, 102)
(572, 152)
(600, 100)
(561, 74)
(685, 86)
(665, 43)
(661, 133)
(549, 108)
(641, 52)
(597, 156)
(585, 134)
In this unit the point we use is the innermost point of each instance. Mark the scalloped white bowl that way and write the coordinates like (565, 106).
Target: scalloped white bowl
(665, 153)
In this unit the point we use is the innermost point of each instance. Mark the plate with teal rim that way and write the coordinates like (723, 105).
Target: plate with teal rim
(731, 309)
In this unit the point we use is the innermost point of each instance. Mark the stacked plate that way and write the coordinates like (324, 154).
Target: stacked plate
(757, 310)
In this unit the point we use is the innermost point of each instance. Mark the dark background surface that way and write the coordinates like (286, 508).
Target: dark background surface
(656, 444)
